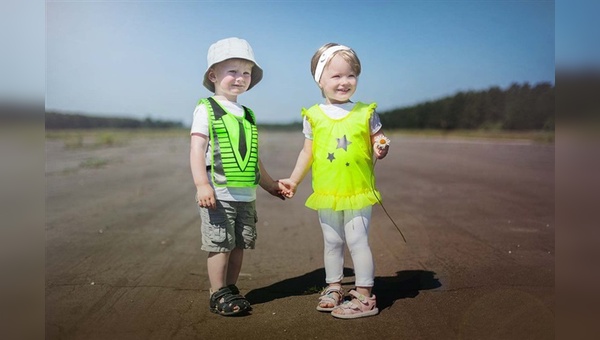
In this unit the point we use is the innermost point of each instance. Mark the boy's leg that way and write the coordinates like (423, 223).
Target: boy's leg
(219, 240)
(234, 265)
(224, 299)
(217, 267)
(245, 237)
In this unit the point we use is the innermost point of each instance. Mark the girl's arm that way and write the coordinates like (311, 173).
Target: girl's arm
(205, 195)
(381, 144)
(303, 164)
(271, 186)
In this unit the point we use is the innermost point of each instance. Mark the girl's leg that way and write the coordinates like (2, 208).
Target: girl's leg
(332, 225)
(356, 226)
(333, 255)
(357, 238)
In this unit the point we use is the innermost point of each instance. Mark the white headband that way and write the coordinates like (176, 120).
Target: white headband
(325, 56)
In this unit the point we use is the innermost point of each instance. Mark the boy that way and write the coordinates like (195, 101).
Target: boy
(226, 169)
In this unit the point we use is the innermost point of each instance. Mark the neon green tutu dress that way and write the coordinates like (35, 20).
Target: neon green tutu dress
(342, 169)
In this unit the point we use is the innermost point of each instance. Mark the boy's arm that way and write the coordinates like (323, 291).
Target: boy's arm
(205, 195)
(303, 164)
(266, 182)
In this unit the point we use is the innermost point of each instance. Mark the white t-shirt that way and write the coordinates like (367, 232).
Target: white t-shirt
(337, 111)
(200, 125)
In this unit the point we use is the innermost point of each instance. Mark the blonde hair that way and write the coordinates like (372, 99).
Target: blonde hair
(348, 55)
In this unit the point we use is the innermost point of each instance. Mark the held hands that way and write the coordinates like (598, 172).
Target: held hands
(290, 187)
(205, 195)
(277, 189)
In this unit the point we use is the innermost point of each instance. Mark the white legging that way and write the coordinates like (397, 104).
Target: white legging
(350, 227)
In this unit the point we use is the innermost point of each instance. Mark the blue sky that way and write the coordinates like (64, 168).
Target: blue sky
(147, 59)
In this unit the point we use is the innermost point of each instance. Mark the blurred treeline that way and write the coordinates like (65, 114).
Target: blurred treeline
(519, 107)
(574, 100)
(55, 120)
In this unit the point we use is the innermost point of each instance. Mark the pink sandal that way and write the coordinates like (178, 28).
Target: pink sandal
(361, 306)
(332, 295)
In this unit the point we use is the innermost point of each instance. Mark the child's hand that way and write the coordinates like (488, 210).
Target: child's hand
(289, 187)
(381, 145)
(205, 197)
(276, 189)
(381, 153)
(283, 190)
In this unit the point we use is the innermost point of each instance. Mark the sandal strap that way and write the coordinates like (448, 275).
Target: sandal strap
(234, 289)
(227, 294)
(350, 305)
(221, 292)
(233, 297)
(224, 301)
(328, 297)
(360, 297)
(356, 305)
(333, 289)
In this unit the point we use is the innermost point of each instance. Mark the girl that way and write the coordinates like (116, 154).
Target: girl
(341, 138)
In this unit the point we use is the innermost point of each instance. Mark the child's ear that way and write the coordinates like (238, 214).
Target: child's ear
(211, 75)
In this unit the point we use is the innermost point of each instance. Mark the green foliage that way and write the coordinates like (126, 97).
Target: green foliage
(313, 290)
(106, 139)
(488, 132)
(520, 107)
(74, 142)
(293, 127)
(56, 120)
(93, 163)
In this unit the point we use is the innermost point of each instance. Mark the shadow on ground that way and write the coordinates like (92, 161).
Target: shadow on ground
(388, 289)
(406, 284)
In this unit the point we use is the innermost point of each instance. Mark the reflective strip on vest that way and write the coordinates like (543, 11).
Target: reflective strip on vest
(234, 146)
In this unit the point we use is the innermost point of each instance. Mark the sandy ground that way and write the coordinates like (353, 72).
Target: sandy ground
(123, 258)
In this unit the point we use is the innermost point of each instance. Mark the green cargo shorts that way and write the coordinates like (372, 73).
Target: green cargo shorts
(232, 224)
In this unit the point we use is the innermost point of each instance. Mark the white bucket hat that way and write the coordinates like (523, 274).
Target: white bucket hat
(227, 49)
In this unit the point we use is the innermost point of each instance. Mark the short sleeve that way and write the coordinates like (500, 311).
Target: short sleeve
(200, 120)
(307, 128)
(375, 123)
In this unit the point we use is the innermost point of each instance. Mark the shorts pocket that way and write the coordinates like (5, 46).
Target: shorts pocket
(217, 234)
(214, 225)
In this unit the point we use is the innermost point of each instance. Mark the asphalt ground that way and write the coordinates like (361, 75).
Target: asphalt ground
(123, 258)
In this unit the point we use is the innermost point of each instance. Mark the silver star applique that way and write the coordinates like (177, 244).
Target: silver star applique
(330, 157)
(343, 143)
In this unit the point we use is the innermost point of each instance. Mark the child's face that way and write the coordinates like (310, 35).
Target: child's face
(338, 81)
(231, 77)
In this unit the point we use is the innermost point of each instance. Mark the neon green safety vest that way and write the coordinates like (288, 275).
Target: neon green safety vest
(342, 169)
(234, 143)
